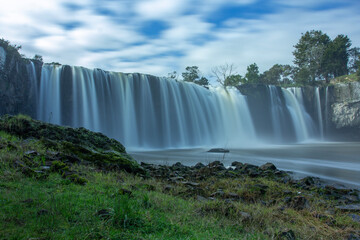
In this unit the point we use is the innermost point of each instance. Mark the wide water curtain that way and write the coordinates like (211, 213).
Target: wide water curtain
(144, 111)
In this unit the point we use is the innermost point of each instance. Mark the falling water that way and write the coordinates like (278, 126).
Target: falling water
(318, 111)
(326, 109)
(276, 112)
(145, 111)
(295, 105)
(33, 81)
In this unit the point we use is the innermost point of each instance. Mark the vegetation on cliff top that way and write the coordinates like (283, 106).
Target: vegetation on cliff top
(63, 183)
(317, 60)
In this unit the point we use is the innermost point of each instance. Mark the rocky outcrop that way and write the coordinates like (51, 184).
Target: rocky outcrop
(58, 147)
(345, 108)
(17, 94)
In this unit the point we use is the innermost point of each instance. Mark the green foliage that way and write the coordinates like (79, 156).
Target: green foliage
(252, 75)
(317, 57)
(272, 76)
(12, 50)
(38, 58)
(335, 57)
(309, 53)
(192, 74)
(203, 81)
(234, 80)
(302, 76)
(354, 59)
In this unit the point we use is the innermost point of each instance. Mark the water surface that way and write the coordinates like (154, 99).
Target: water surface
(333, 162)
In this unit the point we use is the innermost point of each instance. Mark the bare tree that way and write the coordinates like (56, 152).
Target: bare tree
(222, 72)
(173, 75)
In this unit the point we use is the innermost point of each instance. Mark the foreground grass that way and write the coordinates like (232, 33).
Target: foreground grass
(122, 206)
(41, 199)
(57, 209)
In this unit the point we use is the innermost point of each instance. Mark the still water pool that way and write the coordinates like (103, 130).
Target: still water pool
(336, 162)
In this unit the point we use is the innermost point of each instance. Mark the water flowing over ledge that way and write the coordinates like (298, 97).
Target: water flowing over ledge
(147, 112)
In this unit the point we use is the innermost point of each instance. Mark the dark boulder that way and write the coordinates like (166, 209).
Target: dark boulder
(268, 166)
(219, 150)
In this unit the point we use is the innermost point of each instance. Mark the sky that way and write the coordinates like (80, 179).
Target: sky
(161, 36)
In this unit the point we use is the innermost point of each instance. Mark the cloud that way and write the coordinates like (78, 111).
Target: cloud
(159, 36)
(160, 9)
(269, 40)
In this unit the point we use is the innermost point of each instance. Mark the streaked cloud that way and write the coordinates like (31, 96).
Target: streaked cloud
(159, 36)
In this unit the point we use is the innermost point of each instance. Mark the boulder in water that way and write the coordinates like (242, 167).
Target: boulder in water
(219, 150)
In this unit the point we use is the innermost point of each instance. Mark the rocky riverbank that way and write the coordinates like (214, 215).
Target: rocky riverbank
(58, 182)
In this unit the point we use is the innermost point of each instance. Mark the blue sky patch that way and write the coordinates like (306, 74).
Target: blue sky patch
(73, 6)
(71, 25)
(252, 11)
(153, 29)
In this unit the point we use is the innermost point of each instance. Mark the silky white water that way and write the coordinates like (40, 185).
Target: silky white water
(147, 112)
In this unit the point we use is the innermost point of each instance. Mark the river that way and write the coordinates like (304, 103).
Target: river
(334, 162)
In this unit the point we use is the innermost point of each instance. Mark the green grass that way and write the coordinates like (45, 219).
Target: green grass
(346, 79)
(57, 209)
(85, 201)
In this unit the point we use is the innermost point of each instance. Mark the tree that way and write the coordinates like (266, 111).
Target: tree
(354, 59)
(301, 75)
(336, 57)
(173, 75)
(287, 74)
(252, 75)
(309, 53)
(234, 80)
(38, 58)
(203, 81)
(192, 74)
(223, 72)
(272, 76)
(277, 74)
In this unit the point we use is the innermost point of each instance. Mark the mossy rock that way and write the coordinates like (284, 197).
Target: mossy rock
(79, 143)
(25, 127)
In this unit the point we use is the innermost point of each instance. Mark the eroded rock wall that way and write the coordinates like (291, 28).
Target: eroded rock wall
(16, 90)
(345, 108)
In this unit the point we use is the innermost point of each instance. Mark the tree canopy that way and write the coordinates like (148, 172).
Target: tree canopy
(317, 57)
(252, 75)
(192, 74)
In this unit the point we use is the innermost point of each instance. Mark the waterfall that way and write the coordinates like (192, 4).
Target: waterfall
(300, 118)
(318, 111)
(49, 95)
(143, 111)
(277, 113)
(33, 91)
(148, 112)
(326, 109)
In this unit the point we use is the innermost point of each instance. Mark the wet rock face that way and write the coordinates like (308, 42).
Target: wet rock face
(345, 110)
(16, 94)
(346, 114)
